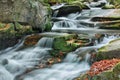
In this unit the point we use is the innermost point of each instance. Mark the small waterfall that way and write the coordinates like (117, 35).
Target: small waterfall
(45, 42)
(74, 16)
(71, 57)
(64, 24)
(55, 13)
(15, 62)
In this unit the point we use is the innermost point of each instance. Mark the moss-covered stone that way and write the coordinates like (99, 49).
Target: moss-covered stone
(110, 51)
(68, 43)
(80, 4)
(108, 6)
(11, 31)
(115, 2)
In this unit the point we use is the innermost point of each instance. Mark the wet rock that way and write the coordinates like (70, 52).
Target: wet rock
(8, 42)
(10, 33)
(30, 12)
(66, 44)
(108, 6)
(99, 3)
(110, 51)
(115, 3)
(67, 9)
(107, 22)
(104, 19)
(80, 4)
(111, 13)
(32, 40)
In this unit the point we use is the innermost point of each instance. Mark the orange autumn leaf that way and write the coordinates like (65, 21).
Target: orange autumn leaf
(102, 65)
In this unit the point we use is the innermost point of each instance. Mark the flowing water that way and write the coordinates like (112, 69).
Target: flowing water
(14, 62)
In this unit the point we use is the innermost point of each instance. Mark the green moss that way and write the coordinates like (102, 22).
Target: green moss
(108, 6)
(2, 25)
(102, 49)
(116, 69)
(61, 45)
(80, 4)
(48, 25)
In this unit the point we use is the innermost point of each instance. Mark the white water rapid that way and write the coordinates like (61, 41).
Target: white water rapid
(71, 67)
(14, 62)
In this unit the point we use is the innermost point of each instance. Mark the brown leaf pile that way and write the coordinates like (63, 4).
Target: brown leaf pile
(102, 65)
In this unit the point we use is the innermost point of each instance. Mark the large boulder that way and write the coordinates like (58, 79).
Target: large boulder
(110, 51)
(106, 19)
(107, 22)
(30, 12)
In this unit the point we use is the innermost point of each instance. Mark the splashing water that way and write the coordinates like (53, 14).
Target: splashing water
(71, 67)
(15, 62)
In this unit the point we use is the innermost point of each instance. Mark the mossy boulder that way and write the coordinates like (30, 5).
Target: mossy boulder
(69, 43)
(115, 3)
(10, 33)
(30, 12)
(80, 4)
(108, 6)
(110, 51)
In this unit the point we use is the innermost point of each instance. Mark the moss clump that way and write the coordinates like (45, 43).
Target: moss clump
(102, 49)
(108, 6)
(48, 25)
(61, 44)
(80, 4)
